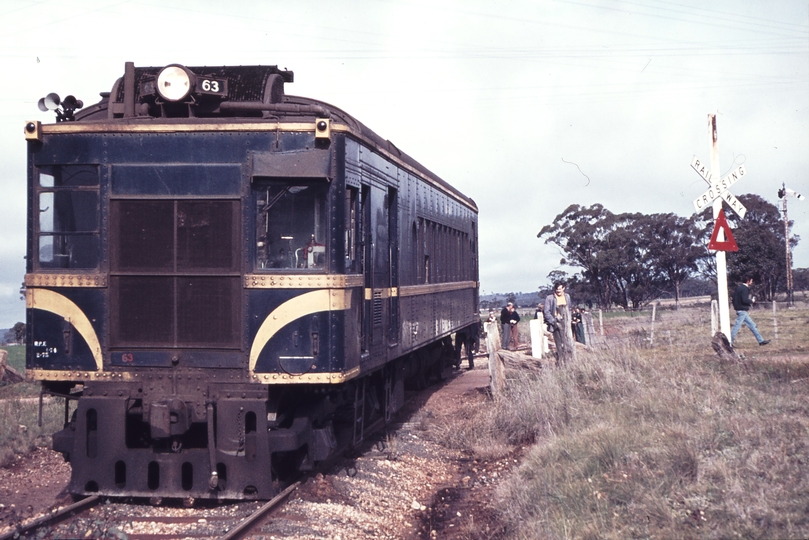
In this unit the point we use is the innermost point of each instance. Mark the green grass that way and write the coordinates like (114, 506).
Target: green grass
(660, 439)
(19, 429)
(16, 357)
(19, 413)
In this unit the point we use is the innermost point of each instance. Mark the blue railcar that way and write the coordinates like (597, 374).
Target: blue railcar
(232, 284)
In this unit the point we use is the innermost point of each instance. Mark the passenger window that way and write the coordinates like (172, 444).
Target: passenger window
(290, 225)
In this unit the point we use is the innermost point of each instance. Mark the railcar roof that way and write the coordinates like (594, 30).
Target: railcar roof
(257, 85)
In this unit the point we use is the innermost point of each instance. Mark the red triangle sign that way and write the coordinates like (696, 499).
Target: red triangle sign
(729, 244)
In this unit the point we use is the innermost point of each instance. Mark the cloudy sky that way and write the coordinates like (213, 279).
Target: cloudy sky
(526, 106)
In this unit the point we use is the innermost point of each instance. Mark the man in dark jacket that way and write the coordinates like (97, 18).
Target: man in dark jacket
(742, 301)
(508, 320)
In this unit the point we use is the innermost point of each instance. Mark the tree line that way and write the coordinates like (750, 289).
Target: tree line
(630, 259)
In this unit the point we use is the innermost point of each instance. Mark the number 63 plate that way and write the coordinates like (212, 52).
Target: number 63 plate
(208, 85)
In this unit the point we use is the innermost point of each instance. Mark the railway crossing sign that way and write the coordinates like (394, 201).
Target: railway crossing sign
(718, 189)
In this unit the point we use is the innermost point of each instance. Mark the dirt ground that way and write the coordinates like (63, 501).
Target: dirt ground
(407, 487)
(402, 486)
(464, 509)
(32, 485)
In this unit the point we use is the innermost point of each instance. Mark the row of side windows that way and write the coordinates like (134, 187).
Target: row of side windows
(442, 254)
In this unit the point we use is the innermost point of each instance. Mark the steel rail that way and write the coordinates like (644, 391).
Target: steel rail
(50, 519)
(249, 521)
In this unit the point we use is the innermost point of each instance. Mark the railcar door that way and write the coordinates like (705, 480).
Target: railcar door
(380, 271)
(393, 266)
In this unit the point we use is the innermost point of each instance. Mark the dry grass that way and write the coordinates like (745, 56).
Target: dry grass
(20, 432)
(658, 439)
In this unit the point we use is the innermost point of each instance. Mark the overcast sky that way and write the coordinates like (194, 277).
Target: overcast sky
(525, 106)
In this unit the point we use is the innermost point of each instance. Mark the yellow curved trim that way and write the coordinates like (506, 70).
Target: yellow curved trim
(60, 305)
(295, 308)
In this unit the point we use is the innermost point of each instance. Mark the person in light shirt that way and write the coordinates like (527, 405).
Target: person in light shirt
(557, 318)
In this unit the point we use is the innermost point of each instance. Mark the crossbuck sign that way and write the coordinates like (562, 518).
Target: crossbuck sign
(719, 188)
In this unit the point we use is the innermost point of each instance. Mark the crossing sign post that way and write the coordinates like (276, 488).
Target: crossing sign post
(717, 192)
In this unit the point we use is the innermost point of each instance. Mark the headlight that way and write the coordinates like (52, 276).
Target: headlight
(174, 83)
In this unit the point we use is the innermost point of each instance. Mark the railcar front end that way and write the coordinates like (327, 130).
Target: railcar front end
(231, 284)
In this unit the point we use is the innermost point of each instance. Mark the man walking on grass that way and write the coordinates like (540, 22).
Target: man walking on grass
(742, 301)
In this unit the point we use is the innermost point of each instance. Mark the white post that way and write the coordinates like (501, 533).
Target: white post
(721, 263)
(496, 369)
(600, 323)
(538, 346)
(714, 317)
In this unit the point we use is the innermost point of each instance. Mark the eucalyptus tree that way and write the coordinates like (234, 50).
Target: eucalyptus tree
(628, 259)
(674, 249)
(607, 249)
(581, 233)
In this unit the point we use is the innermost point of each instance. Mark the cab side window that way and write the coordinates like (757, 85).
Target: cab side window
(290, 224)
(68, 224)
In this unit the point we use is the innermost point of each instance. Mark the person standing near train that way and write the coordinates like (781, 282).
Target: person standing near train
(513, 321)
(557, 318)
(508, 322)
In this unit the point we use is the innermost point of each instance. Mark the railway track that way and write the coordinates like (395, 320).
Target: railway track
(109, 518)
(99, 518)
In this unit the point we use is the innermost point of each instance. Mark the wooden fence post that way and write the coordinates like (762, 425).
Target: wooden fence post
(589, 330)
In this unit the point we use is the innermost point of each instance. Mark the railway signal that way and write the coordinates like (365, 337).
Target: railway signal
(783, 193)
